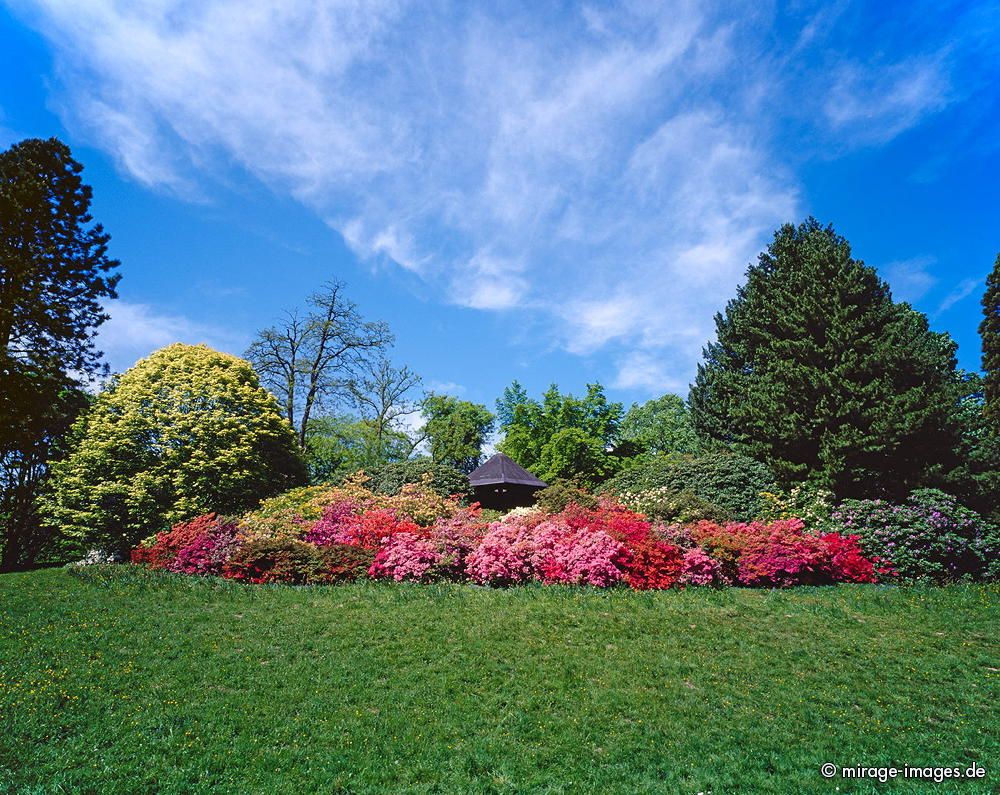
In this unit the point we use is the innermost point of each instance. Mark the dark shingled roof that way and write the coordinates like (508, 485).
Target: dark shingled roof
(501, 469)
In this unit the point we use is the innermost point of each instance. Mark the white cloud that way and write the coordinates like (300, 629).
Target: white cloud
(962, 290)
(445, 388)
(875, 103)
(642, 371)
(910, 279)
(602, 172)
(135, 330)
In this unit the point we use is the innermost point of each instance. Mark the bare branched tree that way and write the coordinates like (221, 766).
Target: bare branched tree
(311, 360)
(381, 396)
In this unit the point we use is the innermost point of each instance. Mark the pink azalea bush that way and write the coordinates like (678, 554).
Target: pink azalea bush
(698, 568)
(504, 556)
(576, 555)
(405, 556)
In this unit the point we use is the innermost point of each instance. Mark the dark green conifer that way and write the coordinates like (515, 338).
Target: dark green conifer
(817, 371)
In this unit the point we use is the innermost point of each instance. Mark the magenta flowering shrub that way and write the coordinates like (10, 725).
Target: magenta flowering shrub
(335, 526)
(208, 552)
(504, 556)
(699, 568)
(456, 538)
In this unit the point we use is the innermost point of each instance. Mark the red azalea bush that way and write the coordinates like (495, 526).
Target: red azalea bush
(367, 530)
(654, 565)
(617, 521)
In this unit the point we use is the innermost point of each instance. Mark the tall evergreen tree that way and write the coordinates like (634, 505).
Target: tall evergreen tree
(55, 275)
(990, 331)
(817, 371)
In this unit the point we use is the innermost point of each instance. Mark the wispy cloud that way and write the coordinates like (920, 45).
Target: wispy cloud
(910, 279)
(873, 103)
(135, 329)
(962, 290)
(609, 171)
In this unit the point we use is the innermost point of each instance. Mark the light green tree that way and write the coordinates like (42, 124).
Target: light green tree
(662, 425)
(537, 433)
(343, 444)
(456, 430)
(573, 455)
(186, 431)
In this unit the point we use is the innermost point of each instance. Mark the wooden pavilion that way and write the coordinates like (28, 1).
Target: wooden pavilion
(501, 484)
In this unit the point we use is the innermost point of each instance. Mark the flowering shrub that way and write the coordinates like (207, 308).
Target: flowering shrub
(419, 503)
(814, 506)
(698, 568)
(343, 563)
(406, 556)
(614, 519)
(276, 560)
(781, 554)
(667, 504)
(332, 526)
(677, 534)
(503, 557)
(932, 537)
(577, 555)
(653, 565)
(523, 514)
(366, 530)
(199, 546)
(347, 532)
(292, 514)
(456, 538)
(97, 557)
(208, 552)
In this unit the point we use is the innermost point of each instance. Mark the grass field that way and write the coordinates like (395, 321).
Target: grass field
(120, 680)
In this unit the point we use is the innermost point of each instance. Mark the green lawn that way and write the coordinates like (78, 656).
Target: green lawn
(119, 680)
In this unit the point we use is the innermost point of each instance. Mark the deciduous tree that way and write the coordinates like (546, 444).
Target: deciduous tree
(456, 430)
(186, 431)
(662, 425)
(532, 426)
(310, 359)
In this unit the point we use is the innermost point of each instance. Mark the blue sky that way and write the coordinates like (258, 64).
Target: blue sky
(542, 191)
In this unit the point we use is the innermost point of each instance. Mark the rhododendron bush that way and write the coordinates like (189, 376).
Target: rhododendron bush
(323, 535)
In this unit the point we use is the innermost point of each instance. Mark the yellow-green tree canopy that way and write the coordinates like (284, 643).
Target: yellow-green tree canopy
(186, 431)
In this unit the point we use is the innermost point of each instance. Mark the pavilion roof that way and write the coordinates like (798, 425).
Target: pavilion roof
(503, 469)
